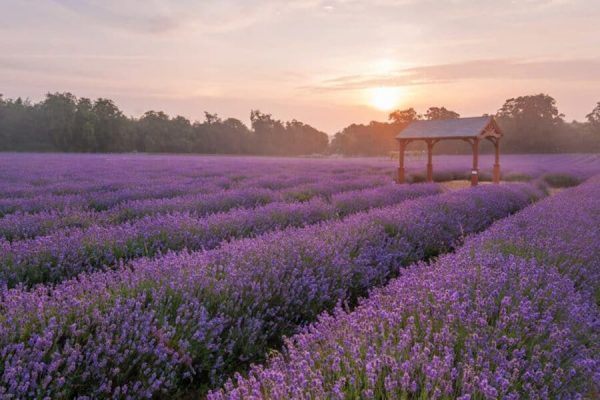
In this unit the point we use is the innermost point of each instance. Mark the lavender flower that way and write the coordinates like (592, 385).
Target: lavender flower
(512, 314)
(189, 320)
(67, 253)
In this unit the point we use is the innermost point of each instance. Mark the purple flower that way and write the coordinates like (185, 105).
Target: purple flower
(187, 320)
(512, 314)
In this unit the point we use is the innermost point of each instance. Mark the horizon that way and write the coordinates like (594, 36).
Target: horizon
(325, 63)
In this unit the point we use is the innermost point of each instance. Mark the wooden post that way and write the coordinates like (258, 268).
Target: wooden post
(475, 169)
(429, 160)
(402, 146)
(497, 161)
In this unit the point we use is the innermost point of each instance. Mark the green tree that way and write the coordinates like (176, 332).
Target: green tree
(211, 119)
(84, 139)
(532, 109)
(304, 139)
(376, 138)
(403, 117)
(214, 135)
(21, 126)
(58, 113)
(154, 131)
(109, 122)
(532, 124)
(440, 113)
(4, 135)
(594, 117)
(269, 133)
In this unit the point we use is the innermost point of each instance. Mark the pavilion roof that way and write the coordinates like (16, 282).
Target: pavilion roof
(471, 127)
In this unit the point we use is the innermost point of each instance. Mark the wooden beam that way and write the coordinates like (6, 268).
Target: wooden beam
(497, 161)
(402, 147)
(475, 169)
(430, 144)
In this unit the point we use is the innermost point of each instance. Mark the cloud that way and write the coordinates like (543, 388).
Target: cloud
(565, 70)
(161, 17)
(134, 15)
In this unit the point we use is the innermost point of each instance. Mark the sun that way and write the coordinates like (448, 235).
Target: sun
(385, 98)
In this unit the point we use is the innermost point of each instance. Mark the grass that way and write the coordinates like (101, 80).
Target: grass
(561, 180)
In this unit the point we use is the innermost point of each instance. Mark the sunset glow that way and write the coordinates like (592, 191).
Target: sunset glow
(328, 63)
(385, 98)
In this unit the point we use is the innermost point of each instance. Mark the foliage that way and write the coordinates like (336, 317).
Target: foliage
(517, 177)
(593, 119)
(189, 320)
(440, 113)
(403, 117)
(512, 314)
(62, 122)
(531, 124)
(561, 180)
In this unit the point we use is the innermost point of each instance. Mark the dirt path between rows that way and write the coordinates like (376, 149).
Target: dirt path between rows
(463, 184)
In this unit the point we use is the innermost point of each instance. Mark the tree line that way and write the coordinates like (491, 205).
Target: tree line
(63, 122)
(531, 124)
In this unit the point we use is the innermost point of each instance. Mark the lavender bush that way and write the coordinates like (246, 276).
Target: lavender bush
(58, 212)
(144, 176)
(175, 196)
(69, 252)
(187, 321)
(20, 225)
(30, 175)
(513, 314)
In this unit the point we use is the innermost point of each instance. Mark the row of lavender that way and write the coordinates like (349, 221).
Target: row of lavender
(184, 321)
(49, 216)
(514, 167)
(49, 192)
(29, 175)
(142, 176)
(513, 314)
(108, 199)
(69, 252)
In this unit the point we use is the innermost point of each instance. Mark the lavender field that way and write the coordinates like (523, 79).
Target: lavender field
(136, 276)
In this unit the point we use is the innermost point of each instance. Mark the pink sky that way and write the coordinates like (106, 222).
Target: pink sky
(326, 63)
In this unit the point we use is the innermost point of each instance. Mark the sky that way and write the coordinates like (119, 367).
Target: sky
(328, 63)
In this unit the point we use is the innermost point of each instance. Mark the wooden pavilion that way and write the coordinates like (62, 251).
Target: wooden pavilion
(471, 130)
